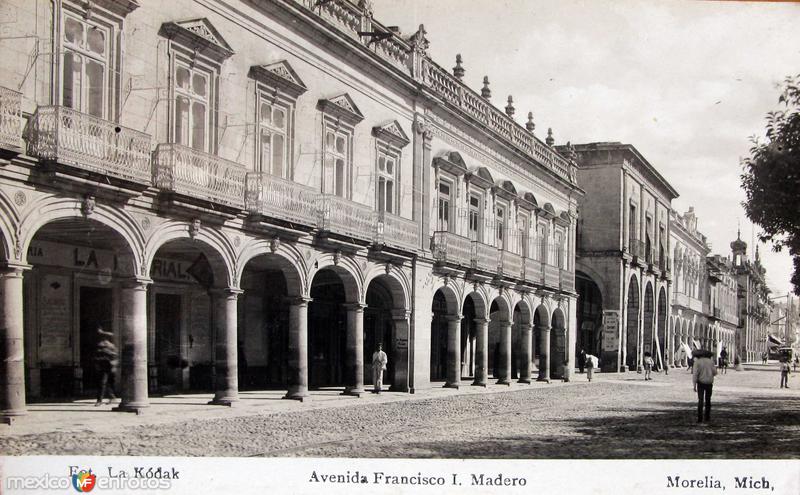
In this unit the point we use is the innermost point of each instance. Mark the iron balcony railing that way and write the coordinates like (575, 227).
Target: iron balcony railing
(279, 198)
(534, 272)
(451, 248)
(552, 276)
(567, 280)
(341, 216)
(88, 143)
(511, 264)
(394, 231)
(485, 257)
(10, 119)
(186, 171)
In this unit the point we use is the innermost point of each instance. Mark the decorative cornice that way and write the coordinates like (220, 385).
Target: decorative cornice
(392, 133)
(280, 75)
(450, 161)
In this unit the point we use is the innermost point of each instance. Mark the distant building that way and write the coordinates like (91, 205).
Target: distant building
(723, 305)
(753, 302)
(623, 271)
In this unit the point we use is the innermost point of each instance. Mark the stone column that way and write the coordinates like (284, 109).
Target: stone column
(544, 355)
(12, 383)
(354, 352)
(298, 349)
(481, 352)
(453, 352)
(525, 355)
(400, 350)
(133, 355)
(226, 342)
(505, 354)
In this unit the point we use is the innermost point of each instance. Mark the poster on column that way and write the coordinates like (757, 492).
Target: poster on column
(610, 331)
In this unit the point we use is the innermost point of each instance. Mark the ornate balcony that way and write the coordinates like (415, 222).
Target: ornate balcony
(200, 176)
(342, 217)
(274, 197)
(552, 275)
(85, 143)
(533, 271)
(567, 280)
(511, 264)
(10, 120)
(452, 249)
(485, 257)
(396, 232)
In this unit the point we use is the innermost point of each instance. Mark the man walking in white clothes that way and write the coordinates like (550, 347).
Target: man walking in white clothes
(379, 360)
(703, 379)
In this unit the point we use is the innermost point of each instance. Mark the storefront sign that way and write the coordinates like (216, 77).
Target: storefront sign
(610, 331)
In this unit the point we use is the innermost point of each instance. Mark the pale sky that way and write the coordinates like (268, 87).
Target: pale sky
(687, 83)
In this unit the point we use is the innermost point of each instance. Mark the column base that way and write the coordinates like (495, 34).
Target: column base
(298, 396)
(452, 385)
(524, 380)
(479, 384)
(222, 402)
(504, 381)
(10, 415)
(355, 392)
(138, 409)
(543, 380)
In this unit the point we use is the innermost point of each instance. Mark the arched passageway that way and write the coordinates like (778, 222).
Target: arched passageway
(663, 350)
(632, 325)
(558, 345)
(648, 336)
(589, 315)
(327, 331)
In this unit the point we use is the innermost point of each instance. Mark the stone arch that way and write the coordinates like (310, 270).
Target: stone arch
(503, 308)
(648, 322)
(633, 307)
(479, 299)
(348, 271)
(397, 282)
(558, 343)
(9, 220)
(290, 262)
(51, 209)
(214, 244)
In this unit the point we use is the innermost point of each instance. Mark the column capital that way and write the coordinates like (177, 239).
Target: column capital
(227, 292)
(543, 328)
(297, 300)
(357, 307)
(13, 268)
(481, 320)
(452, 318)
(136, 283)
(401, 314)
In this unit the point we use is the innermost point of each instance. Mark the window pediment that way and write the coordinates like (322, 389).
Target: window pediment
(480, 177)
(199, 35)
(119, 7)
(528, 201)
(391, 133)
(342, 107)
(280, 75)
(451, 162)
(547, 211)
(505, 189)
(563, 218)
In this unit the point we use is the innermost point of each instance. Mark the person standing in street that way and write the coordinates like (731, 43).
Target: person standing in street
(589, 366)
(723, 360)
(581, 360)
(105, 360)
(785, 368)
(648, 366)
(379, 360)
(703, 379)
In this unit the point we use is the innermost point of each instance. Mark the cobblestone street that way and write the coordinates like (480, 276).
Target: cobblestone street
(616, 416)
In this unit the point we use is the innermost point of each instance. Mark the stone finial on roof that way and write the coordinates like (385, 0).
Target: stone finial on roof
(530, 125)
(366, 7)
(485, 91)
(458, 70)
(510, 106)
(418, 40)
(550, 141)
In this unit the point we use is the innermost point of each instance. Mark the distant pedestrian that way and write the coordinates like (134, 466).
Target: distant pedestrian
(703, 379)
(581, 360)
(105, 360)
(648, 366)
(785, 368)
(590, 365)
(723, 360)
(379, 360)
(690, 363)
(764, 357)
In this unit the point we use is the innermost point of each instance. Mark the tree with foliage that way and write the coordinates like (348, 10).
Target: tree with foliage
(771, 178)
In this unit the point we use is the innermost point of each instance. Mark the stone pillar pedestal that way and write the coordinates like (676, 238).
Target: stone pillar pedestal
(133, 355)
(544, 355)
(354, 352)
(400, 351)
(226, 359)
(481, 352)
(453, 352)
(12, 351)
(504, 356)
(298, 349)
(525, 354)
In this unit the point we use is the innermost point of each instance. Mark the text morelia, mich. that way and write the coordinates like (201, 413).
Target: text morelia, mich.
(382, 478)
(739, 482)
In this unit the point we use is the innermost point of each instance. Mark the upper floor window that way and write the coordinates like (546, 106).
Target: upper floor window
(522, 221)
(191, 106)
(197, 52)
(443, 206)
(340, 116)
(501, 224)
(272, 141)
(559, 249)
(387, 181)
(85, 64)
(541, 233)
(474, 217)
(632, 223)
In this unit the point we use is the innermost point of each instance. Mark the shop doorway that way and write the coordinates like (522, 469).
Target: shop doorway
(96, 310)
(168, 358)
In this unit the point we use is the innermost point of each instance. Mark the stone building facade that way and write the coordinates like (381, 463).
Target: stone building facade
(723, 305)
(256, 196)
(623, 270)
(753, 302)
